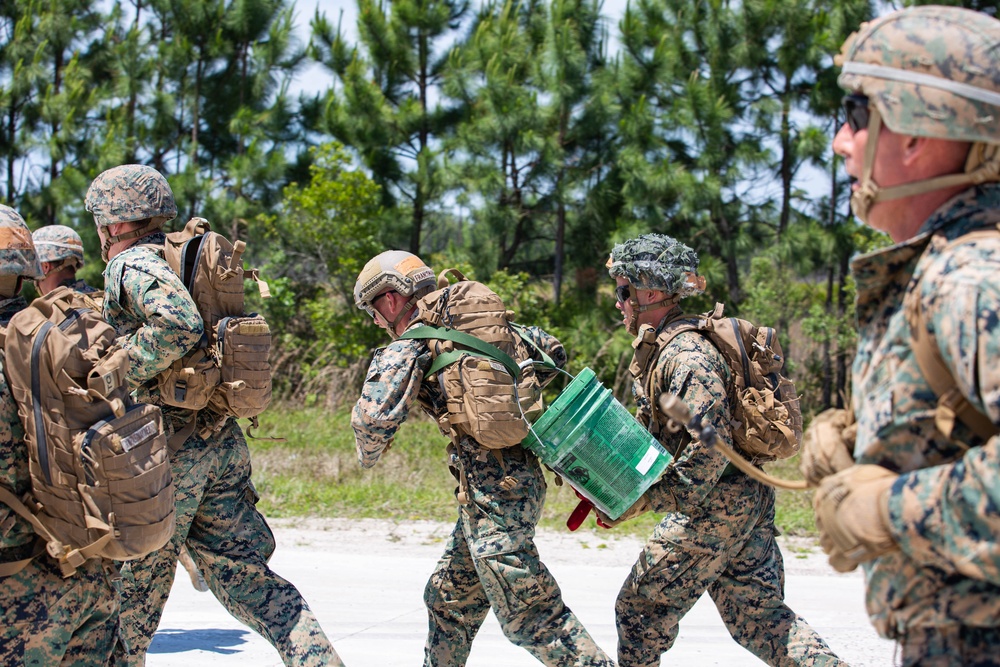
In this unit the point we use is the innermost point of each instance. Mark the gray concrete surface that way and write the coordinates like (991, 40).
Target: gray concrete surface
(365, 582)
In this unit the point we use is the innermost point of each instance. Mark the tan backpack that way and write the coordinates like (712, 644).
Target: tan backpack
(767, 420)
(100, 475)
(229, 371)
(479, 358)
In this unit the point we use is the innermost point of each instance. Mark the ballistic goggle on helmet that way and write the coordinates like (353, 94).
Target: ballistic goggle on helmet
(927, 72)
(393, 270)
(58, 245)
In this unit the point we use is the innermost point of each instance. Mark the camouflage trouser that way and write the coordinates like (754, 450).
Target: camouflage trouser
(231, 544)
(491, 561)
(727, 548)
(953, 646)
(46, 620)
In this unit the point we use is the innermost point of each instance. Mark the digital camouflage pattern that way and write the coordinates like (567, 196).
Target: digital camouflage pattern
(17, 252)
(156, 320)
(717, 534)
(657, 262)
(216, 514)
(16, 534)
(82, 287)
(907, 62)
(44, 619)
(130, 192)
(231, 544)
(927, 72)
(943, 508)
(54, 243)
(491, 560)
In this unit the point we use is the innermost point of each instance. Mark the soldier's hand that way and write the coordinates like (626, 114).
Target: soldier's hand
(852, 514)
(638, 508)
(827, 445)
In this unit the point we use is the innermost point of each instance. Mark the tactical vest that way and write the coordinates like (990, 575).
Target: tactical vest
(766, 421)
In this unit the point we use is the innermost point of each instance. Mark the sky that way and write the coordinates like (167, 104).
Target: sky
(314, 78)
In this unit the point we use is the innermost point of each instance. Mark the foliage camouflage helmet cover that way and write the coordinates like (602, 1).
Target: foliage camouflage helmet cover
(657, 262)
(56, 243)
(129, 193)
(393, 270)
(17, 251)
(928, 71)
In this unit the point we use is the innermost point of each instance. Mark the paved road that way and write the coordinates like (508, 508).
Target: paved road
(365, 582)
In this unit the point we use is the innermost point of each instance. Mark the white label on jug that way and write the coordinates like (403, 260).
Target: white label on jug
(647, 461)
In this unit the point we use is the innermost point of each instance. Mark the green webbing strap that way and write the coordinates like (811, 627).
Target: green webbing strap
(546, 359)
(475, 345)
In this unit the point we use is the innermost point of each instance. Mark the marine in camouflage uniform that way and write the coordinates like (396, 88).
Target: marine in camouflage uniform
(718, 532)
(215, 499)
(60, 252)
(490, 560)
(44, 618)
(919, 508)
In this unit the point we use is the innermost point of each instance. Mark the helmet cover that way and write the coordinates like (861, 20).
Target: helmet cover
(931, 71)
(657, 262)
(55, 243)
(130, 192)
(17, 251)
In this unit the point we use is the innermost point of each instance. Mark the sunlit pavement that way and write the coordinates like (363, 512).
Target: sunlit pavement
(365, 581)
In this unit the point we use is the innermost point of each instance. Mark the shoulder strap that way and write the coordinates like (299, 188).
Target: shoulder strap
(546, 359)
(952, 404)
(475, 345)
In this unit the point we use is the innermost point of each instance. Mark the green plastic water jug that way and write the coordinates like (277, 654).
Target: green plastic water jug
(593, 442)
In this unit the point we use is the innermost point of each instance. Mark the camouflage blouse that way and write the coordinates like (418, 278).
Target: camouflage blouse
(944, 506)
(146, 303)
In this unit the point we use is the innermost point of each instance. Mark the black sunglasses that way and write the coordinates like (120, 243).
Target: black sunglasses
(370, 307)
(621, 293)
(856, 109)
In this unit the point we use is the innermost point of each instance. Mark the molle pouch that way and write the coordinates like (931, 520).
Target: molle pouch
(125, 475)
(243, 348)
(190, 381)
(486, 408)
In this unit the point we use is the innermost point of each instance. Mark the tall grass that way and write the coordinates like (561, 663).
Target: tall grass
(315, 472)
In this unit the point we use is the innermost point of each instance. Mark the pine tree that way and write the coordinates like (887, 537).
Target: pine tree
(387, 106)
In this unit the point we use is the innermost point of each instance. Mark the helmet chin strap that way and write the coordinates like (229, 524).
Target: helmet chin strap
(154, 225)
(981, 166)
(632, 324)
(399, 316)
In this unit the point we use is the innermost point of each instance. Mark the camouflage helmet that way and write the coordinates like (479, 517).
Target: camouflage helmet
(128, 193)
(930, 71)
(395, 270)
(657, 262)
(17, 251)
(58, 244)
